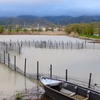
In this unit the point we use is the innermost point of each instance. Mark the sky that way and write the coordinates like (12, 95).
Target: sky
(14, 8)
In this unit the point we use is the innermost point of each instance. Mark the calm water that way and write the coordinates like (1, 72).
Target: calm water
(79, 62)
(10, 82)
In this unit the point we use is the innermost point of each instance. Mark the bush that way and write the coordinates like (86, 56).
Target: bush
(19, 95)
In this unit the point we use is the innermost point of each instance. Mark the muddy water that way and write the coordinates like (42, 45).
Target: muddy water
(10, 82)
(79, 62)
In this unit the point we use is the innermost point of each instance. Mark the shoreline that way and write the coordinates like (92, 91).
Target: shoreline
(37, 33)
(53, 33)
(34, 93)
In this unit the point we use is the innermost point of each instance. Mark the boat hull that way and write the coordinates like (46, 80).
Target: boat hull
(53, 89)
(55, 94)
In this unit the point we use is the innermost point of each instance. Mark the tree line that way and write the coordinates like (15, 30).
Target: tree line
(84, 28)
(10, 29)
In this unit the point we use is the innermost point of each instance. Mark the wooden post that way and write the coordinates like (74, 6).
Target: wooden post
(21, 43)
(56, 45)
(25, 67)
(78, 45)
(19, 48)
(37, 70)
(29, 43)
(89, 85)
(33, 42)
(10, 42)
(6, 48)
(4, 57)
(85, 43)
(62, 45)
(15, 63)
(71, 45)
(66, 75)
(25, 42)
(8, 60)
(67, 43)
(50, 71)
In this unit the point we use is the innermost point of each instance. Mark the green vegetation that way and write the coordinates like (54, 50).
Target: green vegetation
(85, 29)
(10, 27)
(89, 36)
(18, 28)
(19, 95)
(2, 28)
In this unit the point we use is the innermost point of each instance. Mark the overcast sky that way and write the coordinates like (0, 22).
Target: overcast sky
(49, 7)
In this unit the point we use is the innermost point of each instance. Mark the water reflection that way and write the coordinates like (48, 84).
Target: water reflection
(11, 81)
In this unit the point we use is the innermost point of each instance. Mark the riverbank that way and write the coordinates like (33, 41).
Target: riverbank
(36, 33)
(54, 33)
(35, 93)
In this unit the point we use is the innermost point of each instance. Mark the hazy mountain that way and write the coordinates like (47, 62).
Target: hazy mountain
(25, 22)
(27, 17)
(3, 18)
(86, 19)
(29, 20)
(64, 20)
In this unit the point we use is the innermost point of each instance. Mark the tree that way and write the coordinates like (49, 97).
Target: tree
(68, 29)
(2, 28)
(99, 32)
(47, 28)
(91, 28)
(18, 28)
(59, 28)
(39, 30)
(10, 27)
(25, 30)
(32, 28)
(83, 28)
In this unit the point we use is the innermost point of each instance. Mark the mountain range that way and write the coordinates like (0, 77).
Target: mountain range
(29, 20)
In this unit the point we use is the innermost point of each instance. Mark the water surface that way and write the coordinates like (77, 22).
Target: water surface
(79, 62)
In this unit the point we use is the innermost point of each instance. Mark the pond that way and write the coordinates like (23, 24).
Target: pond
(79, 62)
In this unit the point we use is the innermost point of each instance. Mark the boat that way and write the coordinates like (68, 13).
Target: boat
(64, 90)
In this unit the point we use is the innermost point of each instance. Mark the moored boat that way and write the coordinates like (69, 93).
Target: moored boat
(63, 90)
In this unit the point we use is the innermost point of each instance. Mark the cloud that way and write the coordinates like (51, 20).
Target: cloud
(49, 7)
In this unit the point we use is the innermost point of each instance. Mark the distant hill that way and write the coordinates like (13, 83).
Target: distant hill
(27, 17)
(25, 22)
(29, 20)
(64, 20)
(86, 19)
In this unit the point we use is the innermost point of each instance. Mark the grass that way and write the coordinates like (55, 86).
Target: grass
(19, 95)
(89, 36)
